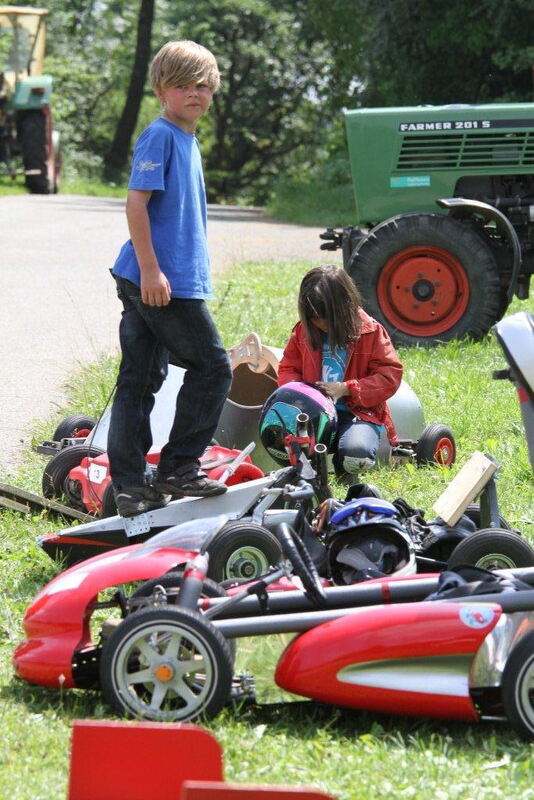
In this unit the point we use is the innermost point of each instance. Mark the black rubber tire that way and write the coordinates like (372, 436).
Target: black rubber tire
(35, 150)
(57, 470)
(473, 512)
(206, 688)
(436, 446)
(109, 506)
(517, 687)
(259, 549)
(295, 551)
(466, 246)
(493, 548)
(70, 427)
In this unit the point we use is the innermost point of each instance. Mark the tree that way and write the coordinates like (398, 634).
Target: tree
(117, 156)
(267, 108)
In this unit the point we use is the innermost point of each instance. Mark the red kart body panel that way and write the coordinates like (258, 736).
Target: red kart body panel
(411, 659)
(93, 476)
(56, 624)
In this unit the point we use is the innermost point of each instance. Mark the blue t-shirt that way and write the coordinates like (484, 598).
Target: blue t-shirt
(333, 369)
(167, 162)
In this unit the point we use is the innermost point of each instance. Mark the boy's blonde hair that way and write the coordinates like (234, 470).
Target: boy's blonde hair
(184, 62)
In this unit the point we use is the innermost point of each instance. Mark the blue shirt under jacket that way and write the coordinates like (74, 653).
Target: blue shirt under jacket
(167, 162)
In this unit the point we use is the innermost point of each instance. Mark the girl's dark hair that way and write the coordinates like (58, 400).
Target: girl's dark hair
(328, 292)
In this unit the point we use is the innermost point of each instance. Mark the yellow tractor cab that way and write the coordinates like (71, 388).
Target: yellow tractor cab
(26, 130)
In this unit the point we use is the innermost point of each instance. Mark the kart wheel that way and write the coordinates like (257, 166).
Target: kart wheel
(473, 512)
(295, 551)
(167, 665)
(493, 548)
(436, 446)
(173, 580)
(109, 506)
(428, 278)
(517, 687)
(242, 550)
(75, 426)
(55, 481)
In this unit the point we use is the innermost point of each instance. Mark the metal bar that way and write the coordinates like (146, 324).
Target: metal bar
(337, 597)
(287, 623)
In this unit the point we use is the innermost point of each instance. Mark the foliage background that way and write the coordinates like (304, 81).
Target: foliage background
(289, 68)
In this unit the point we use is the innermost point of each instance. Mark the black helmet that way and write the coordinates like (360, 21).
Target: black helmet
(368, 540)
(279, 417)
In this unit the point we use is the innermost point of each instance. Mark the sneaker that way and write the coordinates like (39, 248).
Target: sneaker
(189, 485)
(133, 500)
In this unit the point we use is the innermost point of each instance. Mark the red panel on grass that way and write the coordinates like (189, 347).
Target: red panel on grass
(206, 790)
(113, 760)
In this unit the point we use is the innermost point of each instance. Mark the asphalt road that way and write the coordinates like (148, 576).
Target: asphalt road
(58, 303)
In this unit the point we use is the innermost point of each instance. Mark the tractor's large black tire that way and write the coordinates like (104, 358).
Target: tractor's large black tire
(32, 128)
(428, 279)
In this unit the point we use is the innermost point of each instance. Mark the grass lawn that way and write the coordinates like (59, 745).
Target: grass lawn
(352, 755)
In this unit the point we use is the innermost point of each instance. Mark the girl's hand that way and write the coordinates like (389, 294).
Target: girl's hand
(335, 390)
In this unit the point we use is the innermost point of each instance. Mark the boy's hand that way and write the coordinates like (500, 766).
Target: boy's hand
(335, 389)
(155, 289)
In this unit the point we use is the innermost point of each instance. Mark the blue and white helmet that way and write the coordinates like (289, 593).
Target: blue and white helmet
(368, 540)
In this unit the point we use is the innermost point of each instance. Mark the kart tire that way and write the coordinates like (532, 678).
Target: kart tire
(173, 580)
(109, 506)
(75, 426)
(473, 512)
(141, 661)
(436, 446)
(516, 687)
(296, 552)
(56, 472)
(242, 550)
(428, 279)
(493, 548)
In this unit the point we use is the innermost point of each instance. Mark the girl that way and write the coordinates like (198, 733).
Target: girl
(348, 355)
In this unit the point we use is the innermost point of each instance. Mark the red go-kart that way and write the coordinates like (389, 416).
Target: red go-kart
(377, 645)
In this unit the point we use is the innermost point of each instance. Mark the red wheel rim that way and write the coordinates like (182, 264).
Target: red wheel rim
(423, 291)
(444, 452)
(81, 433)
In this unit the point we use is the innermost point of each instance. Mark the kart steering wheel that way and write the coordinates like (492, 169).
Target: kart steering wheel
(296, 552)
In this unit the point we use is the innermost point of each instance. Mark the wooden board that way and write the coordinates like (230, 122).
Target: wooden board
(27, 502)
(465, 487)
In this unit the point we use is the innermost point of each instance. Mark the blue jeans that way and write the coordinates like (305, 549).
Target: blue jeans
(356, 444)
(148, 335)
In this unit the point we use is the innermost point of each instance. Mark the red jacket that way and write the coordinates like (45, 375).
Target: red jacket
(373, 372)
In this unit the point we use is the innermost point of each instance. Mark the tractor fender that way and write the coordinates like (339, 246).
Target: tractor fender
(502, 223)
(33, 93)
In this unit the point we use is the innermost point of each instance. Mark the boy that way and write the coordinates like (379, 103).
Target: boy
(162, 276)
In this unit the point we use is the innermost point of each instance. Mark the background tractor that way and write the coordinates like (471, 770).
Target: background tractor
(25, 119)
(446, 194)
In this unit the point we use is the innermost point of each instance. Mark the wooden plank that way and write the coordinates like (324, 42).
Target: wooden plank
(465, 487)
(12, 505)
(38, 503)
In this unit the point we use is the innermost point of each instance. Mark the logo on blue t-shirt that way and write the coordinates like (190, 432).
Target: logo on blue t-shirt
(334, 363)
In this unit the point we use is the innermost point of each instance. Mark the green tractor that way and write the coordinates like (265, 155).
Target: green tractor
(25, 119)
(446, 195)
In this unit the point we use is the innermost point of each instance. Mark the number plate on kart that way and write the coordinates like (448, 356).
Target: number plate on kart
(97, 473)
